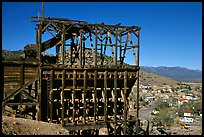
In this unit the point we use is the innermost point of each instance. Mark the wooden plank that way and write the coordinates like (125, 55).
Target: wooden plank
(23, 103)
(19, 90)
(29, 96)
(17, 63)
(110, 68)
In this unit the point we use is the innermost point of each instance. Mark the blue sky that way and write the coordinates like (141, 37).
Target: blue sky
(171, 32)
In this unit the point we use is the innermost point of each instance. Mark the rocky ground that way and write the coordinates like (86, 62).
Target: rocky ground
(20, 126)
(175, 131)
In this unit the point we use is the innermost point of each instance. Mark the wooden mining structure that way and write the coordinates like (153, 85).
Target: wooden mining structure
(81, 92)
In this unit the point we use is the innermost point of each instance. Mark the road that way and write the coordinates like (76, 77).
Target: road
(196, 126)
(145, 113)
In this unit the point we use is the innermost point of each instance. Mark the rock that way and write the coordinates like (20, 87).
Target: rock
(103, 131)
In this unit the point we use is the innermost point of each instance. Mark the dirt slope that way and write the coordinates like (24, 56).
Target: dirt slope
(153, 79)
(20, 126)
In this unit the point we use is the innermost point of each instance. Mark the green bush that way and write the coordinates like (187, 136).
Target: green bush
(165, 117)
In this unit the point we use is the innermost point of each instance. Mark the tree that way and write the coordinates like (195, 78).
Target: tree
(198, 107)
(197, 88)
(144, 103)
(160, 104)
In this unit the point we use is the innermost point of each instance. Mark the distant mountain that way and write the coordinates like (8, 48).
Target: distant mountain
(177, 73)
(10, 53)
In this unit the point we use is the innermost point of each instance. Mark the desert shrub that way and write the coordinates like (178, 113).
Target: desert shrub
(165, 117)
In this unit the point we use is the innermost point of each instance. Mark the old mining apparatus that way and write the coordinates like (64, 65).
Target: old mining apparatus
(85, 85)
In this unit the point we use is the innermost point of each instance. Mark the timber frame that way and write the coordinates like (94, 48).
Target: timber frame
(82, 92)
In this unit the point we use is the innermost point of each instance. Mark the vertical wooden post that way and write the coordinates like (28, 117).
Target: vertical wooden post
(137, 125)
(125, 103)
(147, 129)
(84, 58)
(48, 97)
(115, 100)
(62, 95)
(72, 47)
(84, 101)
(73, 97)
(39, 97)
(51, 94)
(95, 52)
(138, 51)
(95, 96)
(36, 97)
(116, 47)
(39, 44)
(120, 48)
(105, 95)
(63, 44)
(101, 44)
(80, 50)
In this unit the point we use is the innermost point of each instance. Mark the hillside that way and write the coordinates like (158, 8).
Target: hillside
(154, 79)
(177, 73)
(10, 53)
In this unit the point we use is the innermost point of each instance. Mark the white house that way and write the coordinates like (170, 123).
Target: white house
(187, 113)
(189, 96)
(149, 98)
